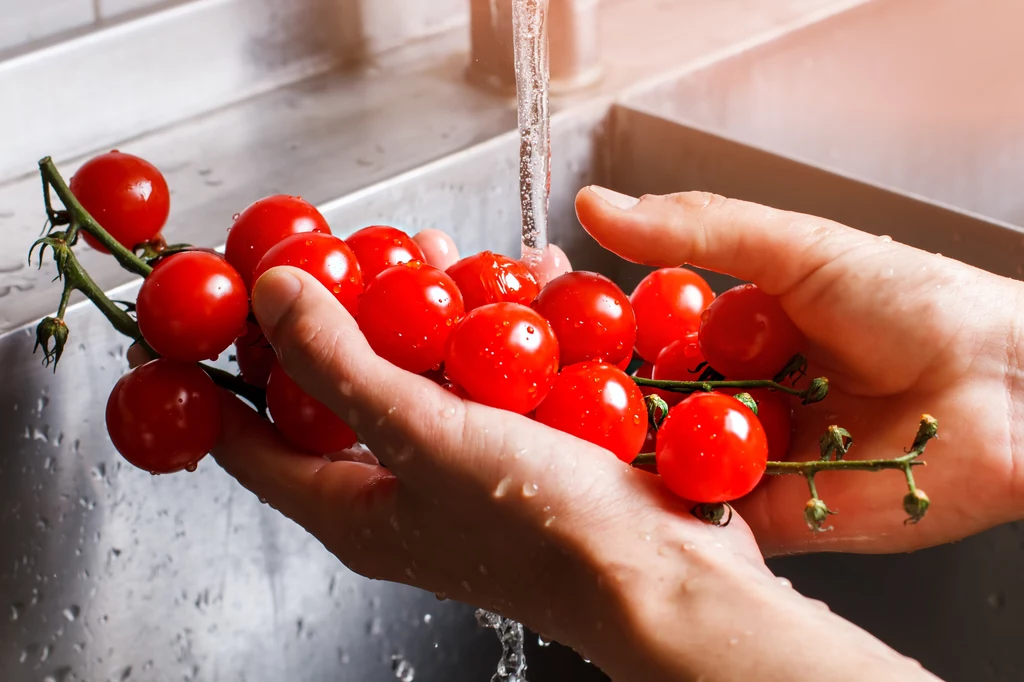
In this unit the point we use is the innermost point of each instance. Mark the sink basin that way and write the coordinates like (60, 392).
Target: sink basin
(109, 573)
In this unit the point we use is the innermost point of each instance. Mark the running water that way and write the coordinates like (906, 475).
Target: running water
(512, 666)
(533, 76)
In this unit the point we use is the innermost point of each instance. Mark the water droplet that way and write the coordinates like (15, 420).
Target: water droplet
(191, 467)
(483, 569)
(236, 216)
(530, 489)
(427, 618)
(71, 613)
(503, 487)
(375, 627)
(541, 642)
(550, 520)
(885, 238)
(785, 582)
(733, 641)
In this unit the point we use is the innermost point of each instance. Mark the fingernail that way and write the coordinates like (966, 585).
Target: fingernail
(622, 202)
(273, 295)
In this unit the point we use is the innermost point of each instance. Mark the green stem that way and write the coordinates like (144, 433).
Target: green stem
(80, 219)
(65, 297)
(808, 469)
(813, 393)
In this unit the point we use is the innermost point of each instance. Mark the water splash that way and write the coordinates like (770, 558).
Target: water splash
(402, 668)
(533, 76)
(512, 666)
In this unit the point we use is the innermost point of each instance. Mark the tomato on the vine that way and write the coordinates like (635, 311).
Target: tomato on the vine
(264, 224)
(775, 412)
(304, 422)
(486, 277)
(668, 304)
(164, 416)
(326, 257)
(678, 361)
(646, 371)
(745, 334)
(711, 448)
(504, 355)
(127, 195)
(600, 404)
(380, 247)
(407, 314)
(192, 306)
(255, 356)
(592, 318)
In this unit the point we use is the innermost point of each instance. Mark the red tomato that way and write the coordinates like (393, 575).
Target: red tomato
(407, 314)
(711, 448)
(504, 355)
(775, 412)
(646, 371)
(745, 334)
(600, 404)
(126, 195)
(303, 421)
(624, 363)
(192, 306)
(164, 416)
(325, 257)
(255, 356)
(677, 362)
(668, 304)
(380, 247)
(263, 225)
(487, 278)
(591, 317)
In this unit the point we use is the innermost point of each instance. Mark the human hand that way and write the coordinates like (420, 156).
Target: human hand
(897, 331)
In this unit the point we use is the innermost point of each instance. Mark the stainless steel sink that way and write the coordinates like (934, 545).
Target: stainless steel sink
(108, 573)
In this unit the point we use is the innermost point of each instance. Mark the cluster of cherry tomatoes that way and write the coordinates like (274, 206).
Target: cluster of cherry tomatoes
(483, 328)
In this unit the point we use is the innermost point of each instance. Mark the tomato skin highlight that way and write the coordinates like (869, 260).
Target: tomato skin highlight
(325, 257)
(255, 356)
(676, 362)
(380, 247)
(164, 416)
(591, 316)
(668, 304)
(192, 306)
(504, 355)
(745, 334)
(301, 420)
(407, 314)
(263, 225)
(486, 278)
(598, 403)
(126, 195)
(711, 448)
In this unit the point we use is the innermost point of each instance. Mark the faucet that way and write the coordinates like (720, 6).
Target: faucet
(574, 45)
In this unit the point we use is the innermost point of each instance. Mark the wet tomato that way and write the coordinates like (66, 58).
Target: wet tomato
(487, 277)
(127, 195)
(303, 421)
(324, 256)
(164, 416)
(667, 304)
(679, 361)
(192, 306)
(380, 247)
(255, 356)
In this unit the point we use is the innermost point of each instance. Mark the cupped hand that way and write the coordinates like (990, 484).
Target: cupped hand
(898, 331)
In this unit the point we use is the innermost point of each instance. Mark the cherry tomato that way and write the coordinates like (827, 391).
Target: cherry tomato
(504, 355)
(775, 412)
(264, 224)
(407, 314)
(624, 363)
(600, 404)
(303, 421)
(678, 361)
(592, 318)
(438, 248)
(192, 306)
(325, 257)
(668, 304)
(255, 356)
(126, 195)
(711, 448)
(745, 334)
(164, 416)
(646, 371)
(487, 277)
(380, 247)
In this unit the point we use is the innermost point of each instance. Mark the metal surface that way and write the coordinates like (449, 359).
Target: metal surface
(926, 96)
(574, 38)
(108, 573)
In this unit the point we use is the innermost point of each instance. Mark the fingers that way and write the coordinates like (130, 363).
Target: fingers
(333, 500)
(775, 249)
(319, 344)
(551, 264)
(438, 248)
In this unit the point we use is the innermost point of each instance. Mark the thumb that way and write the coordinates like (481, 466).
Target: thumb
(774, 249)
